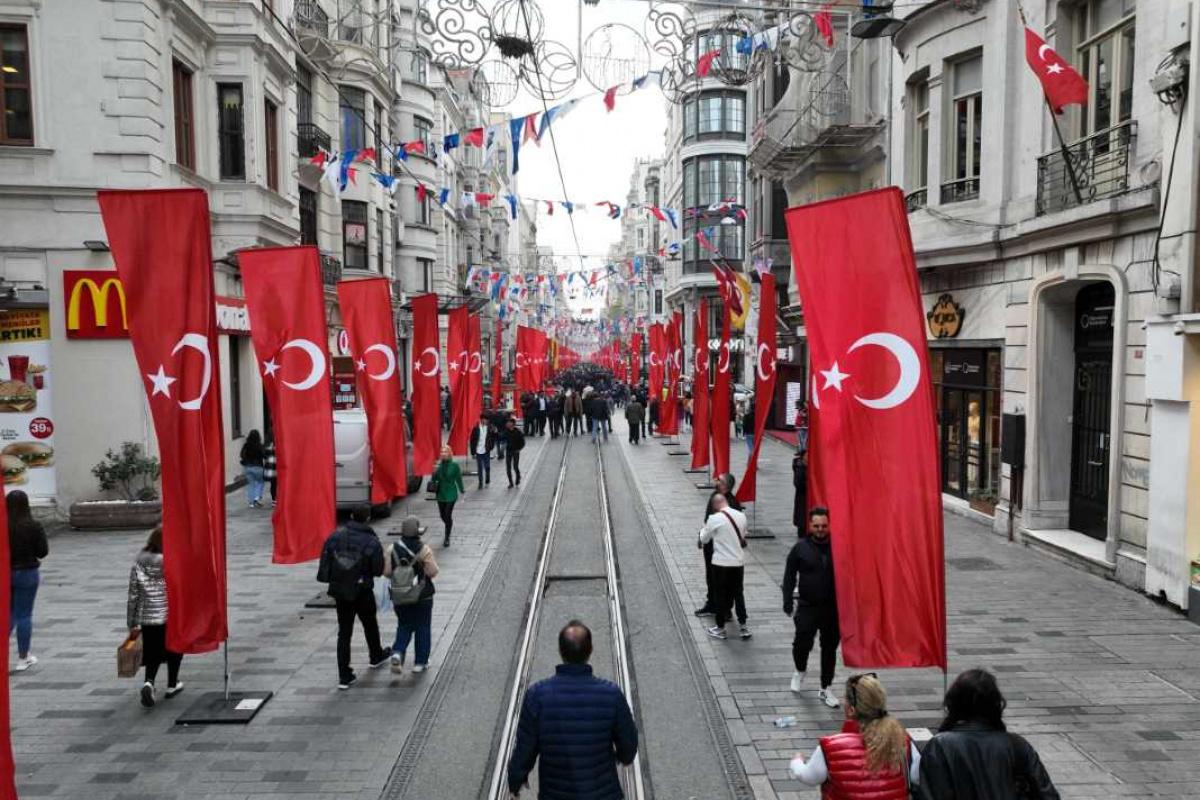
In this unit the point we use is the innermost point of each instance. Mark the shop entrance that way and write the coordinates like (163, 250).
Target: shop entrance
(968, 397)
(1091, 441)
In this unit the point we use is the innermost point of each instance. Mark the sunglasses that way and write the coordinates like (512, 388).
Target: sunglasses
(852, 687)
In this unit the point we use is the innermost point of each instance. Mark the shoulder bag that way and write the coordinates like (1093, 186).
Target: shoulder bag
(741, 538)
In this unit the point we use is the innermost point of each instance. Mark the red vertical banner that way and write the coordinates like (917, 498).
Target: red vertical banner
(764, 382)
(635, 345)
(719, 412)
(367, 312)
(8, 788)
(475, 373)
(458, 364)
(875, 436)
(700, 404)
(425, 382)
(498, 364)
(285, 296)
(523, 371)
(658, 351)
(171, 315)
(673, 364)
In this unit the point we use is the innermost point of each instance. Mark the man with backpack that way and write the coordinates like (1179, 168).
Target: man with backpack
(410, 568)
(350, 561)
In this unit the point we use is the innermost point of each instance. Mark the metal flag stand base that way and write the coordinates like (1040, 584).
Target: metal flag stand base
(224, 708)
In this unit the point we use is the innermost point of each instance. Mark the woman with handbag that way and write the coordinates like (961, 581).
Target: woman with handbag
(146, 615)
(447, 485)
(410, 568)
(973, 756)
(871, 758)
(27, 546)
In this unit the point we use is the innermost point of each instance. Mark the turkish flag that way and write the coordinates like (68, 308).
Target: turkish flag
(1061, 84)
(658, 357)
(458, 362)
(475, 370)
(874, 435)
(764, 382)
(162, 248)
(8, 788)
(673, 364)
(524, 369)
(425, 381)
(285, 296)
(635, 344)
(498, 364)
(367, 313)
(700, 409)
(719, 409)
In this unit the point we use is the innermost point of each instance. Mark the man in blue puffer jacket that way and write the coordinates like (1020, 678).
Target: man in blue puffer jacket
(578, 725)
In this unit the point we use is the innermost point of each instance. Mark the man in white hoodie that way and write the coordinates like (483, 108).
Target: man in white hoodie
(726, 529)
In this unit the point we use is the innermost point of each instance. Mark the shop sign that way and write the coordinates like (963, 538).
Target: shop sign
(945, 318)
(95, 305)
(26, 415)
(232, 316)
(964, 367)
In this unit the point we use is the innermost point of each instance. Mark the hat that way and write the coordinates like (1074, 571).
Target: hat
(411, 526)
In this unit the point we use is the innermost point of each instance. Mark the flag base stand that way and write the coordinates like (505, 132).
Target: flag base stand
(678, 453)
(227, 707)
(322, 600)
(701, 471)
(706, 486)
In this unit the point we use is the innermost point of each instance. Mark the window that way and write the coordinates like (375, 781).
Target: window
(16, 94)
(641, 239)
(918, 154)
(379, 133)
(425, 266)
(354, 235)
(715, 115)
(423, 132)
(421, 214)
(304, 103)
(1105, 54)
(185, 132)
(708, 180)
(271, 123)
(420, 67)
(966, 135)
(308, 216)
(779, 204)
(379, 237)
(353, 108)
(230, 131)
(235, 387)
(658, 304)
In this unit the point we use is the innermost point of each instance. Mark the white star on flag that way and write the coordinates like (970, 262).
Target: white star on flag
(362, 365)
(269, 368)
(834, 377)
(162, 382)
(1054, 69)
(454, 366)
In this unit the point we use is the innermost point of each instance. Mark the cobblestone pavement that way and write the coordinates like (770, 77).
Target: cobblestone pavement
(1104, 682)
(78, 731)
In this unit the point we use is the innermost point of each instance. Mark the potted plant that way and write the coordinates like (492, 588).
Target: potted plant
(984, 501)
(131, 475)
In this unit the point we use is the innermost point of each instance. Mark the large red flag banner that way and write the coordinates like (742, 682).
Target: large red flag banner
(635, 345)
(719, 412)
(700, 409)
(475, 371)
(286, 299)
(426, 377)
(498, 364)
(367, 312)
(8, 788)
(523, 371)
(672, 364)
(658, 351)
(162, 248)
(764, 382)
(875, 439)
(458, 364)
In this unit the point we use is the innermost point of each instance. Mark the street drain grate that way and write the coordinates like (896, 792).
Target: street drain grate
(972, 564)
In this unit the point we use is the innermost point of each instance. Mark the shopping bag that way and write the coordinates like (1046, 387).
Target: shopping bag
(383, 598)
(129, 658)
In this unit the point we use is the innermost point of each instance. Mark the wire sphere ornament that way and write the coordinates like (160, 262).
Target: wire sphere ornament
(498, 83)
(733, 66)
(517, 27)
(458, 30)
(615, 55)
(670, 26)
(551, 72)
(801, 45)
(678, 80)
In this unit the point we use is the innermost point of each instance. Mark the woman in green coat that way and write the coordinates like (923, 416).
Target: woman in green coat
(448, 476)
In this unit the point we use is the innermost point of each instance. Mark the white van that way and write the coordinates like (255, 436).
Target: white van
(352, 458)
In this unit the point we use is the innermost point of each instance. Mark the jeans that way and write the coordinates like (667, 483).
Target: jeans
(362, 607)
(483, 468)
(155, 652)
(728, 586)
(501, 446)
(512, 462)
(446, 512)
(410, 620)
(810, 620)
(254, 484)
(749, 442)
(24, 590)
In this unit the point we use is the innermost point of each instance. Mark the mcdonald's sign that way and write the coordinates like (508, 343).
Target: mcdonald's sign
(95, 305)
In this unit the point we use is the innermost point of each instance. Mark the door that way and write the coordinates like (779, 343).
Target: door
(1090, 445)
(952, 442)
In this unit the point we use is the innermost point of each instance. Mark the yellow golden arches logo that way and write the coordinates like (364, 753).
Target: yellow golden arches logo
(99, 298)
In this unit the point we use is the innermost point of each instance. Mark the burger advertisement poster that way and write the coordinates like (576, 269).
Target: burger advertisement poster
(26, 419)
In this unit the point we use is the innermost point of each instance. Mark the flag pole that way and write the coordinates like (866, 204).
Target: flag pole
(1062, 144)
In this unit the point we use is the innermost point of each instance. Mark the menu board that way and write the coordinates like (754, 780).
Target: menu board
(26, 415)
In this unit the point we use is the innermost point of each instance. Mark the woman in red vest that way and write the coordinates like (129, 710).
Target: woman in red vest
(873, 759)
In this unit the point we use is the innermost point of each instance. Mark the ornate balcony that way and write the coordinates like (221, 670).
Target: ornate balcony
(960, 190)
(1094, 168)
(312, 139)
(331, 270)
(916, 200)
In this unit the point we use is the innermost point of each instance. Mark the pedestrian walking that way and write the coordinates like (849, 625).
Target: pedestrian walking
(973, 756)
(448, 485)
(654, 407)
(483, 439)
(634, 414)
(575, 413)
(725, 528)
(410, 568)
(810, 598)
(350, 561)
(543, 412)
(270, 470)
(748, 425)
(529, 414)
(512, 456)
(147, 615)
(252, 458)
(556, 415)
(575, 727)
(724, 486)
(499, 421)
(872, 758)
(800, 499)
(27, 546)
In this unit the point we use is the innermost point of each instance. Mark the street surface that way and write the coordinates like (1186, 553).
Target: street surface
(1103, 681)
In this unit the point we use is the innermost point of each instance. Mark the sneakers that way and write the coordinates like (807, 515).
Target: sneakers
(148, 694)
(397, 659)
(419, 668)
(797, 679)
(717, 633)
(384, 655)
(826, 696)
(174, 690)
(25, 663)
(346, 683)
(745, 631)
(705, 611)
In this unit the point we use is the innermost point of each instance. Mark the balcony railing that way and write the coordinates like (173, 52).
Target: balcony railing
(915, 200)
(960, 190)
(312, 19)
(1094, 168)
(331, 270)
(312, 139)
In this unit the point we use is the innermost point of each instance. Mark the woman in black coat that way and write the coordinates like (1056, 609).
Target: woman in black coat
(800, 482)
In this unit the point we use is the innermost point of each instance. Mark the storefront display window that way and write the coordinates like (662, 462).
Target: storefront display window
(967, 385)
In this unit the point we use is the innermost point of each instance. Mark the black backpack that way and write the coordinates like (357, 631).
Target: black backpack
(343, 569)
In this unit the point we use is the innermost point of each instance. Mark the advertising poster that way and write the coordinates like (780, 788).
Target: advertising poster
(26, 418)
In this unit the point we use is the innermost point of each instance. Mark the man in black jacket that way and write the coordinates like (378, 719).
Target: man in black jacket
(514, 443)
(725, 484)
(810, 598)
(483, 439)
(350, 561)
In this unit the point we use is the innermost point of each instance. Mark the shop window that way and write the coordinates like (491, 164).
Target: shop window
(967, 390)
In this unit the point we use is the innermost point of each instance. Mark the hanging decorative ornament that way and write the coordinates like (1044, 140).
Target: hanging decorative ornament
(670, 26)
(678, 79)
(615, 55)
(734, 67)
(458, 31)
(551, 72)
(800, 43)
(517, 27)
(497, 82)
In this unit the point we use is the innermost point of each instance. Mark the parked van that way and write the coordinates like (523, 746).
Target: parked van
(352, 458)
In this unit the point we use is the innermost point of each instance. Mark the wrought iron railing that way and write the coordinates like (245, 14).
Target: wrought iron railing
(960, 190)
(311, 18)
(312, 139)
(331, 270)
(915, 200)
(1094, 168)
